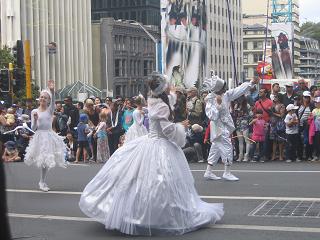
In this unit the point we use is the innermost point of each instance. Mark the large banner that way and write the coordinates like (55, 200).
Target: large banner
(183, 30)
(282, 50)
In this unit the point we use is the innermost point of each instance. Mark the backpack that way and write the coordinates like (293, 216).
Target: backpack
(62, 120)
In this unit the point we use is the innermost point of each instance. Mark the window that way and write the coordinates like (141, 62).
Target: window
(145, 68)
(245, 72)
(117, 67)
(124, 73)
(245, 45)
(118, 90)
(257, 57)
(245, 58)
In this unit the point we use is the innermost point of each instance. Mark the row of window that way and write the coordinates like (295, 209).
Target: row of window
(134, 69)
(98, 4)
(256, 58)
(224, 11)
(130, 90)
(256, 45)
(134, 44)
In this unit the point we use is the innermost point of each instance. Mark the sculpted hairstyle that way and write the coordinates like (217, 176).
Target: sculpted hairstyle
(155, 83)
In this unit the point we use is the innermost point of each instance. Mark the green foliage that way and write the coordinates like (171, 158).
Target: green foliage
(311, 29)
(6, 57)
(21, 93)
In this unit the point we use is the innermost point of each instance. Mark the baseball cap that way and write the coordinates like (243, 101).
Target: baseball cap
(306, 94)
(289, 84)
(317, 99)
(291, 107)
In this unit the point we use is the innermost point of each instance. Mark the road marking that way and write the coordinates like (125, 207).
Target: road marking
(267, 228)
(259, 171)
(217, 226)
(203, 197)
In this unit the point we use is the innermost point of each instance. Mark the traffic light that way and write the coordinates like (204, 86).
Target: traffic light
(18, 53)
(4, 80)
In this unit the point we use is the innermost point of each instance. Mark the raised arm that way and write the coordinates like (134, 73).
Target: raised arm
(237, 92)
(51, 91)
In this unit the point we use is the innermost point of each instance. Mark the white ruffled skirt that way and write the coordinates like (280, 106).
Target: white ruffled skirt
(46, 149)
(146, 188)
(135, 131)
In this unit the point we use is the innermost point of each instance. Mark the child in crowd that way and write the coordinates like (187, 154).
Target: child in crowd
(71, 147)
(10, 116)
(103, 152)
(258, 135)
(316, 116)
(82, 130)
(137, 129)
(292, 132)
(11, 153)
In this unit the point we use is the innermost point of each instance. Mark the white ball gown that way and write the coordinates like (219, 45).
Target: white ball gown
(146, 187)
(137, 129)
(46, 149)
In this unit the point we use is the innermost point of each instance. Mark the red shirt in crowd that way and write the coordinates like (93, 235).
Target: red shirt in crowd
(266, 105)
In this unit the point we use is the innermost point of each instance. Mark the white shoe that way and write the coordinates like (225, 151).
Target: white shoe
(240, 158)
(314, 159)
(201, 161)
(288, 161)
(211, 176)
(43, 187)
(229, 176)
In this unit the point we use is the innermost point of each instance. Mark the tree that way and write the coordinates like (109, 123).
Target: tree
(311, 29)
(6, 57)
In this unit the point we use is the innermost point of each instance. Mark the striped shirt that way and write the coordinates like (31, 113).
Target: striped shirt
(305, 114)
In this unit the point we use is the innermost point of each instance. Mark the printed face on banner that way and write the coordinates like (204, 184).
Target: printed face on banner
(282, 50)
(183, 29)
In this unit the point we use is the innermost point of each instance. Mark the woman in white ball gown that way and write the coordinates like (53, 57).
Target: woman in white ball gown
(137, 129)
(46, 148)
(146, 187)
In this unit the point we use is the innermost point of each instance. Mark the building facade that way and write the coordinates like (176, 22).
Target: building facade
(253, 48)
(280, 11)
(310, 58)
(224, 60)
(145, 11)
(46, 23)
(123, 56)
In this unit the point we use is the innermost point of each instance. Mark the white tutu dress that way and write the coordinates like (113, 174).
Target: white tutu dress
(146, 187)
(46, 148)
(137, 129)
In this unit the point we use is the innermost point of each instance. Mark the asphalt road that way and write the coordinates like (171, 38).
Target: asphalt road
(56, 215)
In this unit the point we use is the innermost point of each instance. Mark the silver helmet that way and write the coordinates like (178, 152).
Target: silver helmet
(213, 84)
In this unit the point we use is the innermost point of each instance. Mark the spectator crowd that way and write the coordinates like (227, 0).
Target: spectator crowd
(269, 125)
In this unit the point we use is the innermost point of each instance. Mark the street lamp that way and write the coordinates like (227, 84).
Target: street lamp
(156, 41)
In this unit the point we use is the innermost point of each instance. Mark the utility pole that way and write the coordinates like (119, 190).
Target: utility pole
(27, 62)
(10, 83)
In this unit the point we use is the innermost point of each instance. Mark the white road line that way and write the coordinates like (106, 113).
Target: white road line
(259, 171)
(267, 228)
(203, 197)
(217, 226)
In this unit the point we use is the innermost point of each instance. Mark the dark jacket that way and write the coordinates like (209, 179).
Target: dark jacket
(73, 112)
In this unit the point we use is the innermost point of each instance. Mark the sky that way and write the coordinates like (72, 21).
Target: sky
(309, 10)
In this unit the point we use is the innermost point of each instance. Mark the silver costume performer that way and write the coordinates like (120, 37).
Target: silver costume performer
(221, 125)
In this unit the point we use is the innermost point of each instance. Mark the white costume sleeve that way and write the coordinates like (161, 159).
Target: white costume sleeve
(237, 92)
(175, 132)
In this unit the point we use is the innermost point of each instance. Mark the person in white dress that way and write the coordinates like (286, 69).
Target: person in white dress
(137, 129)
(46, 148)
(146, 187)
(221, 123)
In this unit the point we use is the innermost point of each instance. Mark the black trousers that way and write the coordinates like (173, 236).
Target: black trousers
(292, 146)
